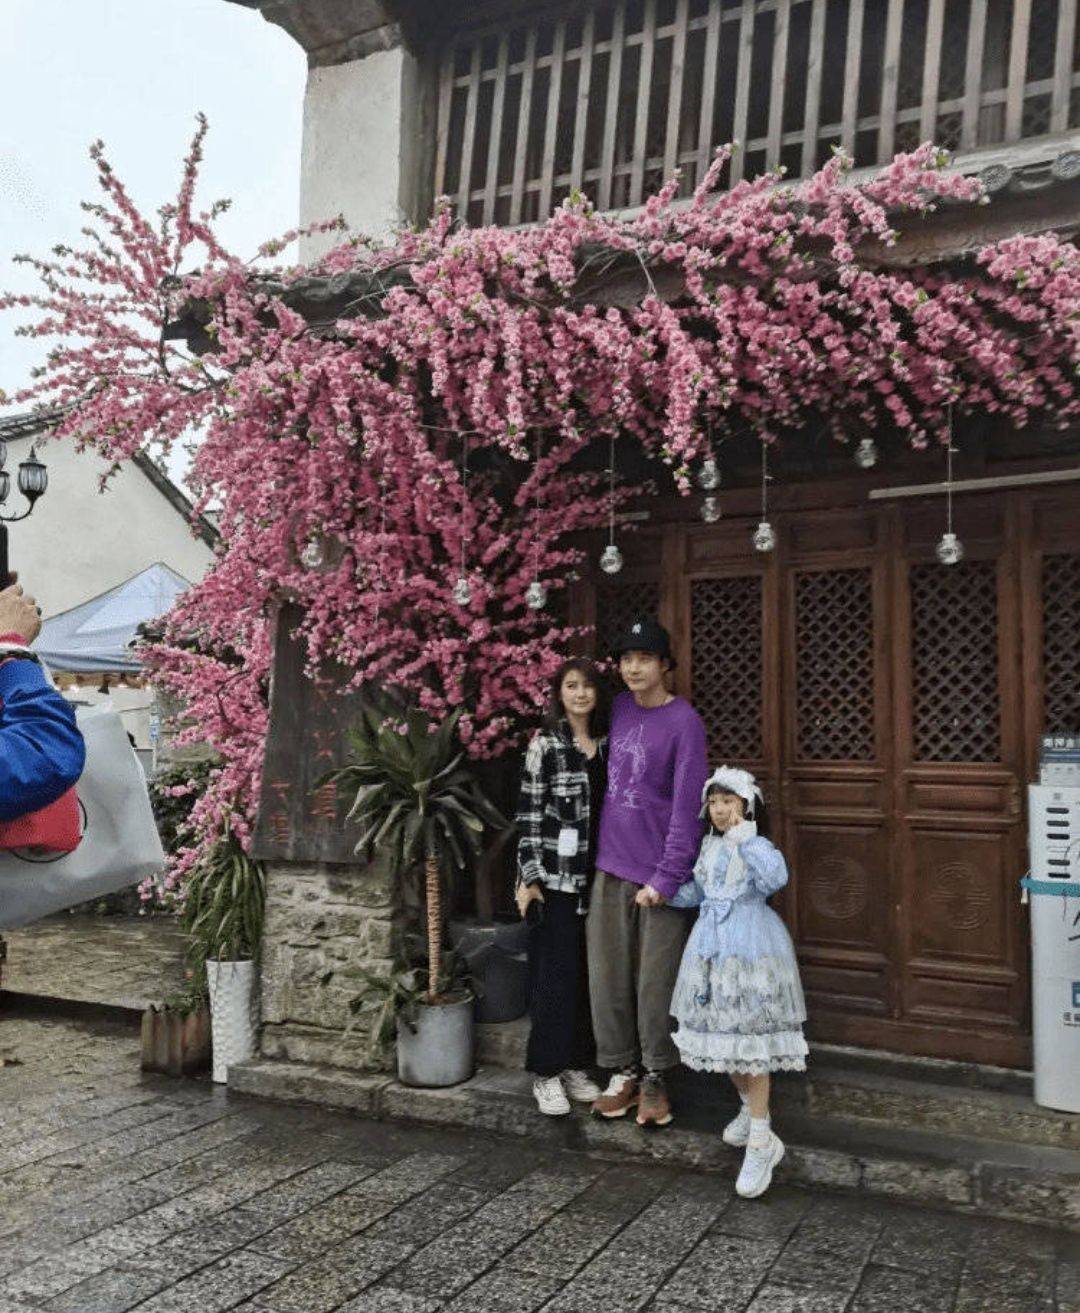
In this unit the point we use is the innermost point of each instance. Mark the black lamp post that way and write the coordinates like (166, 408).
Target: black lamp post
(33, 479)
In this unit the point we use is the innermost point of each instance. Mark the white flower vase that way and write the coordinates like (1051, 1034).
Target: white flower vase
(233, 1014)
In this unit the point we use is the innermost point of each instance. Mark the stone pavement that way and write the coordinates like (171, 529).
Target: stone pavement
(121, 1192)
(118, 961)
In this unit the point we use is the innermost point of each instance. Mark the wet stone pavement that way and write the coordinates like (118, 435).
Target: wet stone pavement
(116, 961)
(121, 1192)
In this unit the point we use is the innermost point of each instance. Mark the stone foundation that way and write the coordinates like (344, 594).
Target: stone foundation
(322, 922)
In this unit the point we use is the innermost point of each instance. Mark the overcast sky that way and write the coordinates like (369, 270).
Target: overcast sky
(135, 73)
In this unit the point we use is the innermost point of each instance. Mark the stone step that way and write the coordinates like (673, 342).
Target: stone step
(985, 1176)
(923, 1094)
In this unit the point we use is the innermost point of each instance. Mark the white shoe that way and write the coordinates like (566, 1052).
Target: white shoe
(579, 1087)
(737, 1131)
(757, 1169)
(550, 1096)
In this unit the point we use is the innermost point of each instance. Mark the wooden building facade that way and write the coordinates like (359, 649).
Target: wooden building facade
(893, 705)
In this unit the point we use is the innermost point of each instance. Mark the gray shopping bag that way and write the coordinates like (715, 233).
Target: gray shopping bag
(120, 844)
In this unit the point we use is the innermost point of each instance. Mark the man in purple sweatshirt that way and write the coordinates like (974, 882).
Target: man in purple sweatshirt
(650, 832)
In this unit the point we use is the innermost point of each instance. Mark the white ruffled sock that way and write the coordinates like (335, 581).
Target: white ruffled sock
(760, 1132)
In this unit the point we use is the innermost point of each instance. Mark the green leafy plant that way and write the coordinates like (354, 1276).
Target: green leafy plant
(224, 903)
(415, 799)
(393, 997)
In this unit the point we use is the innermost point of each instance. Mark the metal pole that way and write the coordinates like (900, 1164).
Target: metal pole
(3, 556)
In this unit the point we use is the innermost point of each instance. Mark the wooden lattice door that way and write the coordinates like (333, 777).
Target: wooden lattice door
(959, 774)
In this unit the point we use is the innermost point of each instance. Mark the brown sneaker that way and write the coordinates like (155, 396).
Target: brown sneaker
(619, 1097)
(654, 1106)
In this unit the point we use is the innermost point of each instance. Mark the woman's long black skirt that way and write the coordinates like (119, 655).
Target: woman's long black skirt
(561, 1035)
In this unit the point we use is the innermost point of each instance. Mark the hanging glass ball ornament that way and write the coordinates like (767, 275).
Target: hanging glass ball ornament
(710, 509)
(866, 454)
(950, 550)
(764, 537)
(611, 560)
(312, 555)
(535, 596)
(709, 475)
(463, 592)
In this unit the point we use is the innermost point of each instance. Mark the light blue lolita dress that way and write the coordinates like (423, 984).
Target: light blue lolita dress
(738, 999)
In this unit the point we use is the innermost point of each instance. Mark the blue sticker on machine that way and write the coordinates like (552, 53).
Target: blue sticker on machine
(1076, 993)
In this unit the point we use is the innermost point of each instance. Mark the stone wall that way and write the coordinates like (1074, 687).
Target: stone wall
(323, 921)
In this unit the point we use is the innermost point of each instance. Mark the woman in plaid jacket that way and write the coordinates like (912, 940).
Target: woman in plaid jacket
(558, 818)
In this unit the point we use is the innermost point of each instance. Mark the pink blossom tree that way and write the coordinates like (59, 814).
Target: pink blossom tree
(439, 427)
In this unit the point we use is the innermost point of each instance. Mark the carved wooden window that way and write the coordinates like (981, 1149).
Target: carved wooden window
(954, 662)
(617, 604)
(1061, 643)
(725, 637)
(834, 665)
(612, 98)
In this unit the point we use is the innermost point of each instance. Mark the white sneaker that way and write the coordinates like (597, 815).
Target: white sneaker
(550, 1096)
(579, 1087)
(757, 1169)
(737, 1131)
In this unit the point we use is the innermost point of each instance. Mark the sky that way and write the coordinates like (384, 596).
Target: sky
(135, 73)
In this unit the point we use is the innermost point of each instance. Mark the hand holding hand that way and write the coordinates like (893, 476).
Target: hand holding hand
(647, 896)
(19, 614)
(526, 894)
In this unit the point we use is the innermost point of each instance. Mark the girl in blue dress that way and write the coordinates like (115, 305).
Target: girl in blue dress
(738, 999)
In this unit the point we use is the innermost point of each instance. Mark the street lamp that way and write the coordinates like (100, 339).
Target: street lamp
(33, 479)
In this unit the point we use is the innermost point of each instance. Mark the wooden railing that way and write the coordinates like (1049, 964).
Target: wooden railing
(611, 100)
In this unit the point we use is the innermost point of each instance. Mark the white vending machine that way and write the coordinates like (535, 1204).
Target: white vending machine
(1054, 889)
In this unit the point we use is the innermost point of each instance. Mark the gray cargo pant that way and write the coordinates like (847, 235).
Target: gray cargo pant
(634, 956)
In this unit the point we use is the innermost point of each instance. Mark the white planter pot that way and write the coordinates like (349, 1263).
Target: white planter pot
(439, 1048)
(234, 1015)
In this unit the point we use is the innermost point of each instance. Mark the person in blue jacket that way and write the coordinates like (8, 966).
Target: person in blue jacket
(41, 750)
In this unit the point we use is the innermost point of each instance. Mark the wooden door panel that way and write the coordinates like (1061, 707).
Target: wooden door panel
(726, 686)
(962, 898)
(953, 1001)
(841, 895)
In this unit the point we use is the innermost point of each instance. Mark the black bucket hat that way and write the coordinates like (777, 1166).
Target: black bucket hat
(644, 634)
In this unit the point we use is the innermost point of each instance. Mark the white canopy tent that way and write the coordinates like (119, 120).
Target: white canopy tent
(96, 637)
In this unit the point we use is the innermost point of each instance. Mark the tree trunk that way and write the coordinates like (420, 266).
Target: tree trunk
(434, 927)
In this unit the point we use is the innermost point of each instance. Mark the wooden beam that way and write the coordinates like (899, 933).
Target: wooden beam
(1063, 66)
(814, 68)
(611, 105)
(442, 138)
(852, 65)
(781, 27)
(1018, 53)
(931, 77)
(491, 179)
(465, 181)
(644, 95)
(742, 89)
(708, 90)
(890, 79)
(581, 118)
(528, 75)
(675, 89)
(973, 71)
(547, 167)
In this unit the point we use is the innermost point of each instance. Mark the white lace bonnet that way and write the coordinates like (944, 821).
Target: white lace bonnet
(732, 779)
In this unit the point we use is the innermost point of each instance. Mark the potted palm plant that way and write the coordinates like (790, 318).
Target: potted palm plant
(418, 805)
(224, 901)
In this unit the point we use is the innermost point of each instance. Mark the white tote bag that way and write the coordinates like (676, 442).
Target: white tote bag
(120, 844)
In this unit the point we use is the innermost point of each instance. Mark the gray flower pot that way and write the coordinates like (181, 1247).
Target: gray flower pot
(439, 1048)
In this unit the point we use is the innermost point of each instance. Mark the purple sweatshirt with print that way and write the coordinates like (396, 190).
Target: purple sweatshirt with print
(650, 830)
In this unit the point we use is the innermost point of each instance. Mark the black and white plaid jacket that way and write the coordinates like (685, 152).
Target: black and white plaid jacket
(554, 797)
